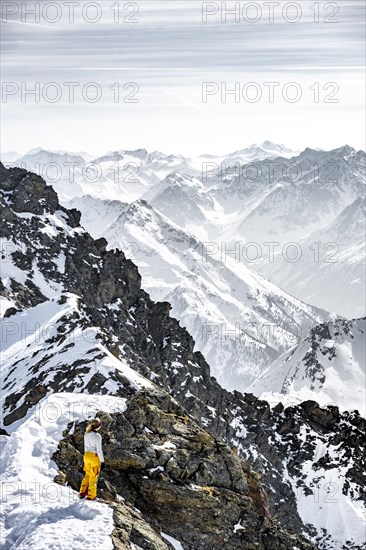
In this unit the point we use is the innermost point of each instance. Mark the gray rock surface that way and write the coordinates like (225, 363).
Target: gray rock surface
(182, 480)
(153, 343)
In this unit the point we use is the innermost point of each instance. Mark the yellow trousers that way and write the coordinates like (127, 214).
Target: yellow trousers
(92, 470)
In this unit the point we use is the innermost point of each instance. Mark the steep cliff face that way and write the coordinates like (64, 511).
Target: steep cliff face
(183, 481)
(76, 320)
(327, 365)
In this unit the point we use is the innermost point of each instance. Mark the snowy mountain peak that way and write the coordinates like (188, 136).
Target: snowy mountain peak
(141, 206)
(41, 152)
(139, 153)
(345, 151)
(329, 363)
(265, 149)
(35, 150)
(275, 147)
(270, 145)
(90, 339)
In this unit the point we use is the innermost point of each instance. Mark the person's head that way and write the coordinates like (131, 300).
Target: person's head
(94, 425)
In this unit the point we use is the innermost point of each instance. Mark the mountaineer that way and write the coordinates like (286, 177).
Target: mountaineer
(93, 459)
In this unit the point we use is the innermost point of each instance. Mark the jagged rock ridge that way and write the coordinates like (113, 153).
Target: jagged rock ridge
(177, 475)
(103, 324)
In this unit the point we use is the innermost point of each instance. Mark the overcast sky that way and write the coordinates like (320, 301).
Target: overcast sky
(167, 52)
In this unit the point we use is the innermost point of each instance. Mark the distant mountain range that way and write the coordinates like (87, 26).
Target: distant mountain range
(201, 232)
(329, 363)
(81, 335)
(240, 321)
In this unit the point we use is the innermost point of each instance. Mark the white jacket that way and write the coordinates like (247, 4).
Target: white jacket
(93, 444)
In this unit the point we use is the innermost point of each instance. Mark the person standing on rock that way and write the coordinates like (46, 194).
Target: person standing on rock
(93, 459)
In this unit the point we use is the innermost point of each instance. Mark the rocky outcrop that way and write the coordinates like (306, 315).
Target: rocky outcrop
(182, 480)
(131, 326)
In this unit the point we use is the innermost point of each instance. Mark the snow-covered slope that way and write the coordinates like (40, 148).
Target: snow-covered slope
(269, 204)
(260, 151)
(281, 200)
(322, 481)
(240, 321)
(328, 365)
(32, 348)
(271, 214)
(75, 320)
(331, 270)
(252, 153)
(182, 199)
(128, 175)
(36, 512)
(122, 175)
(307, 193)
(273, 201)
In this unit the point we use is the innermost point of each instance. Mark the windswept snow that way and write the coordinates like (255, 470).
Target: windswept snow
(330, 272)
(327, 366)
(338, 518)
(35, 509)
(328, 508)
(42, 339)
(187, 230)
(240, 321)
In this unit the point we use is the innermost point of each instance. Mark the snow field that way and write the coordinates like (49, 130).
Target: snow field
(35, 509)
